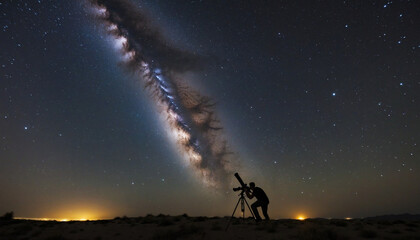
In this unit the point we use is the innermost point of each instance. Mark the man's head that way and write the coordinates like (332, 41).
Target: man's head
(252, 185)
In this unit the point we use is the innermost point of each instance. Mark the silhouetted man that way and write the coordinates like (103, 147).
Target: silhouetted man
(262, 201)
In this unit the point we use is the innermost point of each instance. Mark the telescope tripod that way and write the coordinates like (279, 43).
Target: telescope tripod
(242, 200)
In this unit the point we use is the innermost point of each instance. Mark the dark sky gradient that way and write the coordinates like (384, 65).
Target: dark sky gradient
(318, 100)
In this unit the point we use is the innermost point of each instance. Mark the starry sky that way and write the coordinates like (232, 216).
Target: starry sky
(318, 102)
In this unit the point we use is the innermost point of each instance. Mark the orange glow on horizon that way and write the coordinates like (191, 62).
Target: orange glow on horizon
(57, 219)
(301, 217)
(73, 212)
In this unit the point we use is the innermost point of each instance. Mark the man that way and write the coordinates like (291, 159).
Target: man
(262, 201)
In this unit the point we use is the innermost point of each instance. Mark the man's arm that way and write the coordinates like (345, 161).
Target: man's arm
(249, 194)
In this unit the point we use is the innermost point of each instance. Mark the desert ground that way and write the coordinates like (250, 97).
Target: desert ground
(185, 227)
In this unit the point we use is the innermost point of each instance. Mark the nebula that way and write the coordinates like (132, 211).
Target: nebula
(190, 116)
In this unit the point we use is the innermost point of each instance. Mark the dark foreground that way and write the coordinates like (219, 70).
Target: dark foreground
(184, 227)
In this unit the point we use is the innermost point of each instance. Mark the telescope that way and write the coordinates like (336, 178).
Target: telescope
(243, 186)
(242, 200)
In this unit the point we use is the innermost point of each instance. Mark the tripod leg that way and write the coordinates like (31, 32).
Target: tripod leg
(233, 214)
(243, 208)
(252, 213)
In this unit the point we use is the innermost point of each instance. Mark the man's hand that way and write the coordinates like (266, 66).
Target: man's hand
(248, 193)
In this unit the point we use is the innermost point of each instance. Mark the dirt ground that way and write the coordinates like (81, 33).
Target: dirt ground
(184, 227)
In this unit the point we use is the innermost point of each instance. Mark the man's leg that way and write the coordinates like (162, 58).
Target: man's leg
(255, 210)
(264, 208)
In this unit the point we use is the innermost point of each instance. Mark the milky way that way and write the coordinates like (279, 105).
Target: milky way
(190, 117)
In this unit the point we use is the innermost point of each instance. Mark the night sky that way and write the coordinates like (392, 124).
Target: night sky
(318, 101)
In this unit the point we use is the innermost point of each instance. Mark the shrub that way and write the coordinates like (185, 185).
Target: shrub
(8, 216)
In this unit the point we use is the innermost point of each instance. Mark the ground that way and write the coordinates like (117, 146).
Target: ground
(184, 227)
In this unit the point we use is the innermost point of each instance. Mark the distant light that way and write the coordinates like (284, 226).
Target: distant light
(333, 94)
(401, 84)
(301, 217)
(26, 128)
(346, 25)
(348, 218)
(84, 218)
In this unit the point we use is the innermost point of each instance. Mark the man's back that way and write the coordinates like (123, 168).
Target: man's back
(260, 195)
